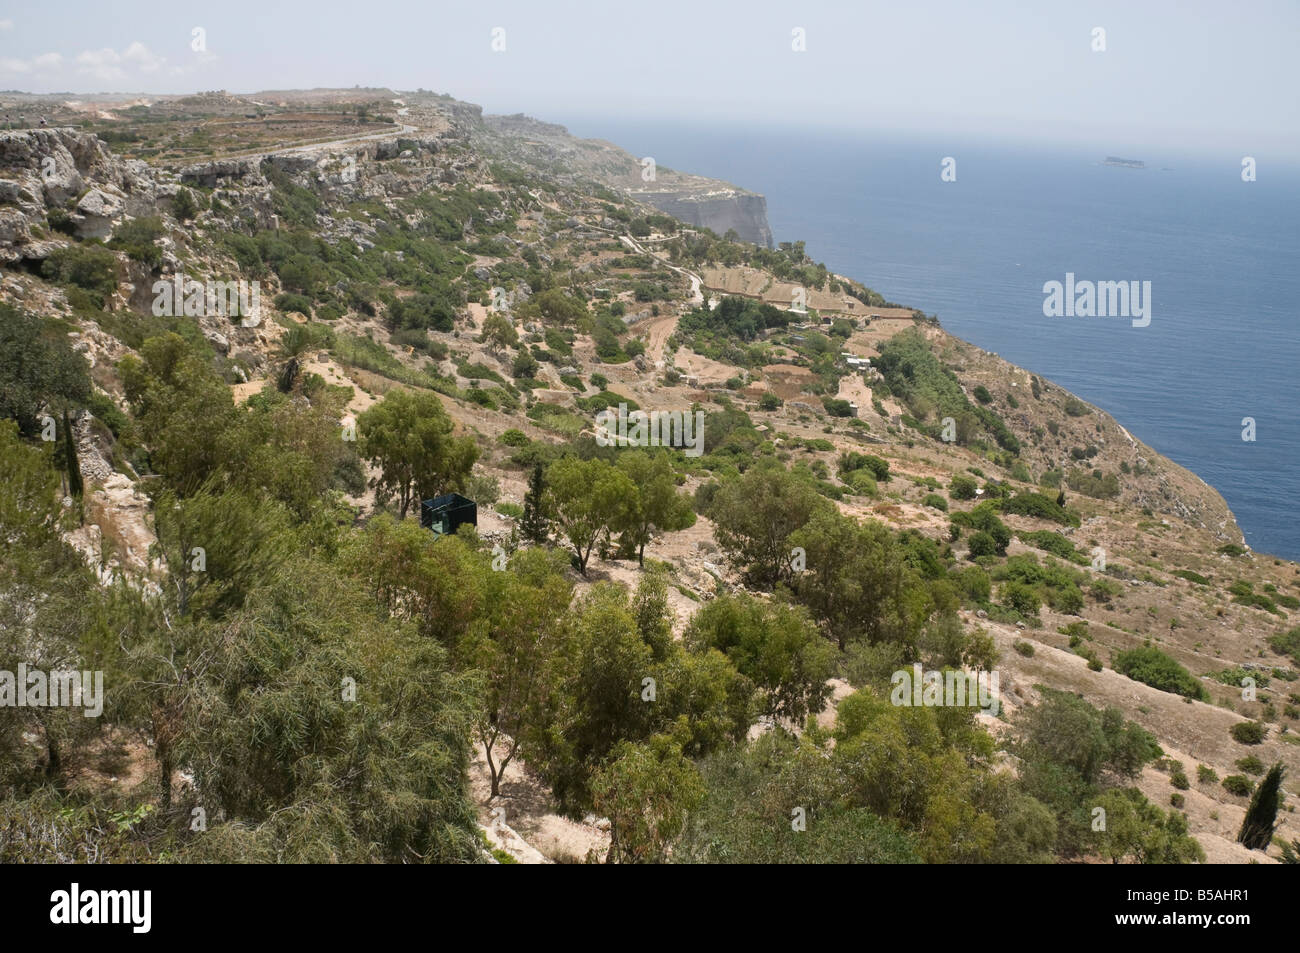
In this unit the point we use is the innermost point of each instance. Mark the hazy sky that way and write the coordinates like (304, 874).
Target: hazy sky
(1184, 74)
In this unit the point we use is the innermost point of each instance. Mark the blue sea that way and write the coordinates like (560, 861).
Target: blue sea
(1222, 256)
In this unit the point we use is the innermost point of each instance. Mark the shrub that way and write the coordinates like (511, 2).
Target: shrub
(769, 401)
(1178, 778)
(1054, 543)
(138, 238)
(1247, 732)
(974, 583)
(1029, 503)
(1249, 765)
(1206, 774)
(1075, 407)
(1287, 643)
(1023, 648)
(1177, 800)
(184, 205)
(92, 268)
(1103, 590)
(1238, 784)
(514, 438)
(860, 482)
(982, 394)
(962, 488)
(1101, 486)
(483, 489)
(854, 461)
(288, 301)
(524, 365)
(1153, 667)
(1020, 597)
(981, 544)
(935, 501)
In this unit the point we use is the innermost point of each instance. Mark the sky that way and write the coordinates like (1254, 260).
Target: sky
(1186, 75)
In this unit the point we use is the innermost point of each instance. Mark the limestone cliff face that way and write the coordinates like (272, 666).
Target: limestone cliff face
(552, 152)
(721, 210)
(71, 173)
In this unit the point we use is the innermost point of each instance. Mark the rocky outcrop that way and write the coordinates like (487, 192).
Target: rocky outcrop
(552, 153)
(45, 171)
(721, 210)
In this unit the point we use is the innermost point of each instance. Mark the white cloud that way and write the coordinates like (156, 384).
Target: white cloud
(107, 65)
(44, 63)
(139, 56)
(134, 64)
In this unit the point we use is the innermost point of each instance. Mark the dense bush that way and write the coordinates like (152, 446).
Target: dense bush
(1247, 732)
(1238, 784)
(1149, 665)
(962, 487)
(90, 267)
(1028, 503)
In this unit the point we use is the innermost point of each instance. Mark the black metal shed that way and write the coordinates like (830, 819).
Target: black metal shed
(447, 513)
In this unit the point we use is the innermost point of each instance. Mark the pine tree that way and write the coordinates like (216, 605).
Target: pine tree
(1261, 817)
(534, 525)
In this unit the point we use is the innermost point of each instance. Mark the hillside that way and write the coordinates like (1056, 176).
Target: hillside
(870, 493)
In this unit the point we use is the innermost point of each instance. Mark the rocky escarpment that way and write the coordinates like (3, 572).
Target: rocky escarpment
(49, 175)
(721, 210)
(549, 150)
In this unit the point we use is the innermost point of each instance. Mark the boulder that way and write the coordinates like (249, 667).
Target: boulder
(98, 213)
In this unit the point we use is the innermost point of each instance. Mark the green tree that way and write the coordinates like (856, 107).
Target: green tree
(499, 333)
(318, 732)
(37, 370)
(186, 414)
(588, 499)
(534, 525)
(855, 583)
(657, 506)
(1261, 816)
(1135, 828)
(512, 643)
(753, 795)
(1067, 748)
(184, 205)
(595, 682)
(555, 307)
(646, 791)
(50, 615)
(755, 515)
(408, 435)
(71, 466)
(218, 544)
(772, 644)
